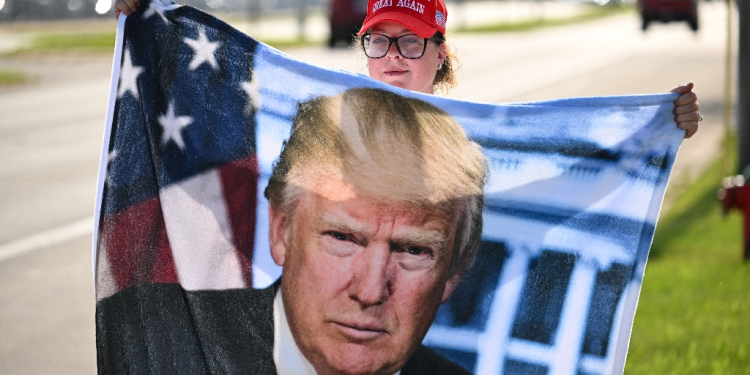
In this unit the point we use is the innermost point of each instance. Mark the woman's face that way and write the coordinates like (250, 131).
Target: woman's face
(394, 69)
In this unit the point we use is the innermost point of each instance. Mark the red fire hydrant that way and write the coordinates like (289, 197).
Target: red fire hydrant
(736, 194)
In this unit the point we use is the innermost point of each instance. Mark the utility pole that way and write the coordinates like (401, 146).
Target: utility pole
(743, 86)
(736, 189)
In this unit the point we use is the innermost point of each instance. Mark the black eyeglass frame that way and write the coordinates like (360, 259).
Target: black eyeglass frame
(437, 39)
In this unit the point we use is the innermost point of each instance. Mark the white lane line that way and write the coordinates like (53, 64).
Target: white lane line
(46, 239)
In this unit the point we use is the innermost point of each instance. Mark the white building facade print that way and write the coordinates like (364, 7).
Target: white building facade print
(555, 284)
(568, 222)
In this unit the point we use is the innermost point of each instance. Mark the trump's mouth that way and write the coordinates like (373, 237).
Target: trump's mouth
(360, 331)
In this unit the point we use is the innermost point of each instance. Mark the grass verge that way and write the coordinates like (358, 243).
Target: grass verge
(103, 42)
(694, 310)
(84, 41)
(291, 43)
(69, 42)
(591, 13)
(11, 77)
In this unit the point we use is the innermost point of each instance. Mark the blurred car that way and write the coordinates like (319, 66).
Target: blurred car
(346, 17)
(668, 11)
(50, 9)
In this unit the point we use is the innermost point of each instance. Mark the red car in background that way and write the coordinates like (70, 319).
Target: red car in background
(669, 10)
(346, 16)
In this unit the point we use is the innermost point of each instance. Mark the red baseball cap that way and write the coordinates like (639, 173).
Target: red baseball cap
(423, 17)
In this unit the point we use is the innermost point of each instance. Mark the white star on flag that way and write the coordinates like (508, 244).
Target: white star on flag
(204, 51)
(159, 7)
(110, 157)
(129, 77)
(252, 89)
(173, 127)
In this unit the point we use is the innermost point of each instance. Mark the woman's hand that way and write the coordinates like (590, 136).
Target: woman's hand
(126, 7)
(685, 109)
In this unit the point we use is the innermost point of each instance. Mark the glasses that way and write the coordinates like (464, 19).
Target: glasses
(410, 46)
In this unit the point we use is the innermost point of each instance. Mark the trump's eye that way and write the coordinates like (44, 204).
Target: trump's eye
(414, 258)
(339, 243)
(418, 251)
(415, 250)
(339, 236)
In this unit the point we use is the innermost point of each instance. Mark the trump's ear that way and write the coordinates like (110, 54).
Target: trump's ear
(277, 223)
(450, 286)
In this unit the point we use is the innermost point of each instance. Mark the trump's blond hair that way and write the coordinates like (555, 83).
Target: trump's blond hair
(388, 147)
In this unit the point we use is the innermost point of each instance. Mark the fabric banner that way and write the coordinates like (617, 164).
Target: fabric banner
(199, 112)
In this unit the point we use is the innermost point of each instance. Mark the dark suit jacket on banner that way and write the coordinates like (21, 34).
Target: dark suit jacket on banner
(151, 329)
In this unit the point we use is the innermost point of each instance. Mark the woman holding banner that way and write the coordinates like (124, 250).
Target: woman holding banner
(404, 41)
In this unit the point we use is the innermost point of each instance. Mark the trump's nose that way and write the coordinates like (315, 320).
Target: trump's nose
(371, 284)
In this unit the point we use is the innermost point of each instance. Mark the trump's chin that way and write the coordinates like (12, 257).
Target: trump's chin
(360, 359)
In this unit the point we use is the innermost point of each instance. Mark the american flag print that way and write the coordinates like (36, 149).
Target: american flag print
(440, 19)
(181, 158)
(199, 112)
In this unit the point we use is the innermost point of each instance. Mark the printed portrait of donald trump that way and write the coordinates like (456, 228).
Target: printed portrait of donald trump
(375, 213)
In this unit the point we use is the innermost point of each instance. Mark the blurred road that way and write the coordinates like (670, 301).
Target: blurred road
(51, 131)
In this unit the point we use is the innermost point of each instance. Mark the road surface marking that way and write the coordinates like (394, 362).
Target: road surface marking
(47, 239)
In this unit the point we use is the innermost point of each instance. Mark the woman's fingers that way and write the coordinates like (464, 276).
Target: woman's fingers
(126, 7)
(690, 127)
(682, 89)
(686, 98)
(686, 109)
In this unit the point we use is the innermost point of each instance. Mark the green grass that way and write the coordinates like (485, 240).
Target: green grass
(69, 42)
(694, 311)
(10, 77)
(103, 41)
(84, 41)
(592, 13)
(291, 43)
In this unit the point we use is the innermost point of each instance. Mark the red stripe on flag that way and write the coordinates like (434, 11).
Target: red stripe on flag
(239, 180)
(137, 246)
